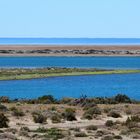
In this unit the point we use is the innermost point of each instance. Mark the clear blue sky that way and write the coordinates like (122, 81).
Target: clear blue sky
(70, 18)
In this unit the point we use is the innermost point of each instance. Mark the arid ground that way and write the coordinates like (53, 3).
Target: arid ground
(19, 125)
(70, 119)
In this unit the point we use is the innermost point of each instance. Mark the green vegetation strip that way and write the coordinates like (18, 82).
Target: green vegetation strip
(17, 74)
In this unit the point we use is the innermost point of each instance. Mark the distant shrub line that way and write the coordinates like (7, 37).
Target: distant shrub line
(83, 101)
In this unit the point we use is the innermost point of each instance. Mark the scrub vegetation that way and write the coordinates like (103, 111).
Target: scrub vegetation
(83, 118)
(26, 73)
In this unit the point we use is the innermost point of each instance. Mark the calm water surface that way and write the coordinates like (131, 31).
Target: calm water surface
(74, 86)
(96, 62)
(70, 41)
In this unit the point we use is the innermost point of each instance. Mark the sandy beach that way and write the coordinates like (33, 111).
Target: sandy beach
(54, 47)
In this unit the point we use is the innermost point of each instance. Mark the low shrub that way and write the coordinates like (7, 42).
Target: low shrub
(18, 113)
(81, 134)
(66, 100)
(25, 129)
(24, 133)
(132, 125)
(101, 133)
(76, 129)
(7, 136)
(107, 138)
(38, 117)
(135, 118)
(114, 114)
(12, 108)
(46, 99)
(118, 137)
(132, 121)
(94, 110)
(69, 114)
(107, 110)
(136, 136)
(3, 108)
(87, 116)
(89, 105)
(122, 98)
(91, 127)
(3, 121)
(128, 111)
(4, 99)
(53, 108)
(56, 118)
(124, 132)
(41, 130)
(109, 123)
(54, 133)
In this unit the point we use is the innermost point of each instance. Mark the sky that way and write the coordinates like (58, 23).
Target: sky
(70, 18)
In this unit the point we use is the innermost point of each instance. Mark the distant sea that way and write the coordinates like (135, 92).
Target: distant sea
(69, 41)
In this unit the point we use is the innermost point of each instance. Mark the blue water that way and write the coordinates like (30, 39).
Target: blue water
(71, 41)
(95, 62)
(74, 86)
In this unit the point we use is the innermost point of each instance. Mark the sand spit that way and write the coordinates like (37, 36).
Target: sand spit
(69, 50)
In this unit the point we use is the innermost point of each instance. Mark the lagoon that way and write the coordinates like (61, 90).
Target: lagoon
(74, 86)
(81, 62)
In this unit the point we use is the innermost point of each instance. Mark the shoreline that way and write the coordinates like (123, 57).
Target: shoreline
(68, 46)
(69, 50)
(54, 55)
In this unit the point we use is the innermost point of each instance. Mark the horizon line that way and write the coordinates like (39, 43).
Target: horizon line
(69, 38)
